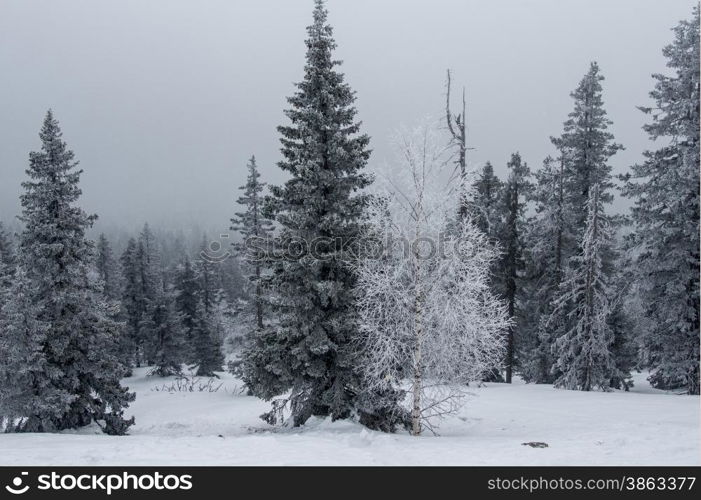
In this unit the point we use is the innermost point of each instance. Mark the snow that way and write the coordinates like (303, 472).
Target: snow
(641, 427)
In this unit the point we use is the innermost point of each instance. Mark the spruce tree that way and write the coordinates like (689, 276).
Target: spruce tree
(107, 268)
(74, 374)
(486, 206)
(25, 388)
(150, 282)
(168, 343)
(320, 210)
(255, 229)
(206, 343)
(665, 188)
(549, 238)
(7, 265)
(585, 146)
(584, 352)
(7, 254)
(208, 282)
(186, 301)
(133, 305)
(208, 331)
(515, 193)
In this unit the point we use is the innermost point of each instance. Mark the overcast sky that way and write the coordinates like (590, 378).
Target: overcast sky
(163, 101)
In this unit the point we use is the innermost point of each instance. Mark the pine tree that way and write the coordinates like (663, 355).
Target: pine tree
(107, 268)
(511, 237)
(665, 188)
(255, 230)
(324, 154)
(74, 375)
(584, 355)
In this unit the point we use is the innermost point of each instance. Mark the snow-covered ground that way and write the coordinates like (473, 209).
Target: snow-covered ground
(642, 427)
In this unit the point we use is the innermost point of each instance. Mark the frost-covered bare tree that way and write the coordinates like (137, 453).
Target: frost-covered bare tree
(428, 317)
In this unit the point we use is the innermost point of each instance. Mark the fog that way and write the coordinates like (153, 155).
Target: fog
(164, 101)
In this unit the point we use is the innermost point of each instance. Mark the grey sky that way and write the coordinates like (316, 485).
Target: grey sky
(163, 101)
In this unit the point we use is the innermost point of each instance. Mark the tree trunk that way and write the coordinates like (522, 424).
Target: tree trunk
(418, 334)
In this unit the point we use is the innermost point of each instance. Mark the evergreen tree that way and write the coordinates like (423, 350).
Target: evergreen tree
(107, 268)
(254, 229)
(206, 343)
(7, 253)
(549, 237)
(584, 355)
(133, 305)
(168, 343)
(665, 188)
(515, 192)
(486, 206)
(585, 147)
(68, 334)
(186, 301)
(319, 207)
(208, 282)
(208, 329)
(150, 283)
(7, 265)
(25, 388)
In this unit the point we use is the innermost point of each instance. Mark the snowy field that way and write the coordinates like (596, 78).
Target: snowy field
(642, 427)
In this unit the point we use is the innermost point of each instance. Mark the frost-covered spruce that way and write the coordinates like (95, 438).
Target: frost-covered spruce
(548, 239)
(24, 383)
(197, 301)
(206, 343)
(67, 333)
(585, 147)
(320, 205)
(665, 188)
(485, 205)
(584, 352)
(107, 268)
(511, 238)
(150, 279)
(186, 301)
(7, 265)
(169, 341)
(255, 230)
(132, 304)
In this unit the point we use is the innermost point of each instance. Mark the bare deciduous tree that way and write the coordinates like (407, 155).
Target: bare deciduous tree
(428, 317)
